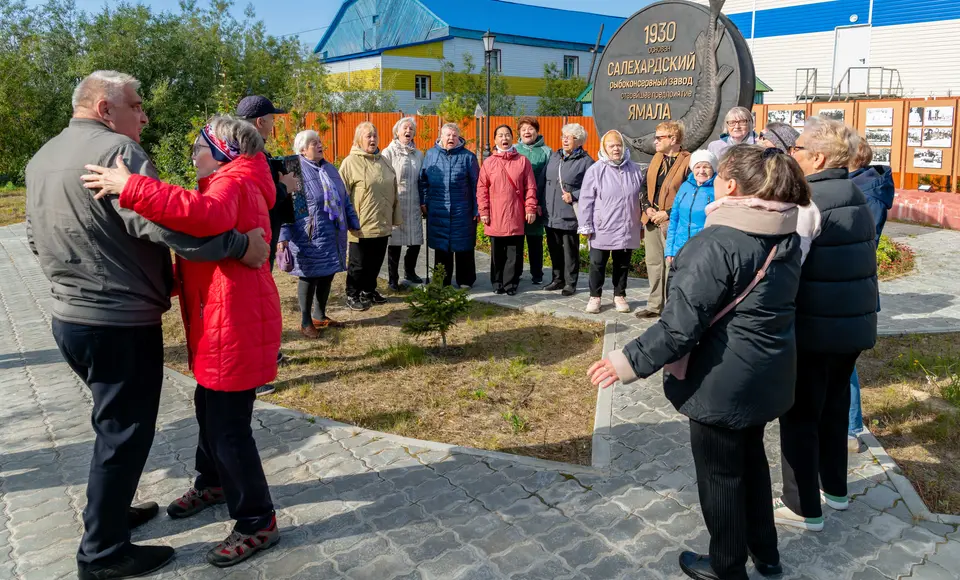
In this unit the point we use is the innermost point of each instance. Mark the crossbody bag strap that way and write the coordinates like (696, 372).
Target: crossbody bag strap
(761, 274)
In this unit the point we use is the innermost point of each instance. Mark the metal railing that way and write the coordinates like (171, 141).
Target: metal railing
(809, 80)
(880, 82)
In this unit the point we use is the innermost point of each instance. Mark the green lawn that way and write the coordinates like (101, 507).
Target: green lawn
(13, 206)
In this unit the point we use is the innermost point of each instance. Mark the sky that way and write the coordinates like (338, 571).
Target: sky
(310, 17)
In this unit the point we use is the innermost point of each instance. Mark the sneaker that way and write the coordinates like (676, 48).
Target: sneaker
(537, 281)
(568, 291)
(195, 501)
(620, 303)
(238, 547)
(374, 297)
(357, 303)
(130, 562)
(837, 502)
(310, 332)
(786, 517)
(853, 444)
(265, 390)
(327, 323)
(500, 291)
(413, 278)
(554, 286)
(393, 286)
(593, 306)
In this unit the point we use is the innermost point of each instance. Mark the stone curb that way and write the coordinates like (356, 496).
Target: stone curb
(603, 419)
(531, 462)
(904, 487)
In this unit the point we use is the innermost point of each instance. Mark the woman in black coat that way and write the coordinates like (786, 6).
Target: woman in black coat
(741, 368)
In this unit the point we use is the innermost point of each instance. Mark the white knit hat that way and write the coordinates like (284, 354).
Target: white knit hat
(703, 155)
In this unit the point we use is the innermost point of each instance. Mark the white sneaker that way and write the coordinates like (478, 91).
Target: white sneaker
(836, 502)
(785, 516)
(620, 303)
(593, 306)
(853, 444)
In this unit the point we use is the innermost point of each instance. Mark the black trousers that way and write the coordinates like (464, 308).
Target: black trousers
(409, 262)
(227, 456)
(564, 248)
(506, 261)
(466, 266)
(535, 255)
(598, 270)
(733, 479)
(365, 258)
(312, 295)
(123, 368)
(813, 434)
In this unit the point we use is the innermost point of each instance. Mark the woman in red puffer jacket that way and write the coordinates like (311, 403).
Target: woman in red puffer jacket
(506, 200)
(232, 319)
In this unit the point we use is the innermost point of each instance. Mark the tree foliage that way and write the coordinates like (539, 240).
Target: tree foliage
(192, 63)
(465, 89)
(558, 96)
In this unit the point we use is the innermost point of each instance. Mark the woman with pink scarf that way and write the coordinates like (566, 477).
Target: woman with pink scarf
(728, 342)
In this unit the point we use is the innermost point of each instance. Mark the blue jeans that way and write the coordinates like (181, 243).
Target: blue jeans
(856, 413)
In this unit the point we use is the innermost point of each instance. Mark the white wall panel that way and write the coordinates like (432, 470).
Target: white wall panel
(411, 63)
(776, 60)
(353, 64)
(517, 60)
(927, 66)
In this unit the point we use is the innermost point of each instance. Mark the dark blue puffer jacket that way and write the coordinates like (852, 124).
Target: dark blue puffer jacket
(448, 187)
(876, 182)
(325, 251)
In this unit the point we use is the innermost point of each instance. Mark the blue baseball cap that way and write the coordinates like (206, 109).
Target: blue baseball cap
(256, 106)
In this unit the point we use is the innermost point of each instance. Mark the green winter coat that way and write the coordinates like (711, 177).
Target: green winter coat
(538, 154)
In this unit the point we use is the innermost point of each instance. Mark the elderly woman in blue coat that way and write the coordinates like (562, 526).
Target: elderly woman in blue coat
(318, 241)
(448, 197)
(688, 213)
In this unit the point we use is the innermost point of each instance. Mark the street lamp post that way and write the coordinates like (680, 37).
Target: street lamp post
(488, 40)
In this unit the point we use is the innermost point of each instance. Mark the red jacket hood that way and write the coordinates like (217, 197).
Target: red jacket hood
(254, 170)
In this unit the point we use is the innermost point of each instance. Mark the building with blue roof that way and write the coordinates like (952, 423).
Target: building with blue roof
(397, 45)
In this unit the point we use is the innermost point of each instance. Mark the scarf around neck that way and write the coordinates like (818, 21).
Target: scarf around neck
(324, 188)
(754, 216)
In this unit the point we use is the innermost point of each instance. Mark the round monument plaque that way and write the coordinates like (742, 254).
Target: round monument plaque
(673, 60)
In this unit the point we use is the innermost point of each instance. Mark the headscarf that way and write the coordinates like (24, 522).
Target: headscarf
(602, 155)
(222, 151)
(324, 189)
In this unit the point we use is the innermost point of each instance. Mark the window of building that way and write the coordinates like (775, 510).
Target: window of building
(495, 61)
(422, 88)
(571, 66)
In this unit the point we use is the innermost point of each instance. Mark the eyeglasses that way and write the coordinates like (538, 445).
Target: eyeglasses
(198, 148)
(797, 148)
(661, 137)
(742, 122)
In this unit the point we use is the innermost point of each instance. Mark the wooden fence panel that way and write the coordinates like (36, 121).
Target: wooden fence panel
(346, 127)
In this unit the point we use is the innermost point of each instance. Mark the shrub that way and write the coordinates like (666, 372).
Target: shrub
(434, 308)
(893, 259)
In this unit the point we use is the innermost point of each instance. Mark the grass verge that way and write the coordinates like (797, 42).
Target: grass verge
(911, 402)
(507, 381)
(13, 206)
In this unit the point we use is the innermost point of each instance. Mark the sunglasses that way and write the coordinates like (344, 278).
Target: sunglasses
(661, 137)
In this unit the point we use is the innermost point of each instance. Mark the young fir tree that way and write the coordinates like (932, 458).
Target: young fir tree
(435, 307)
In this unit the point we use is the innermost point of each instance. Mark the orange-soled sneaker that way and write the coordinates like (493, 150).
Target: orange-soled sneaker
(238, 547)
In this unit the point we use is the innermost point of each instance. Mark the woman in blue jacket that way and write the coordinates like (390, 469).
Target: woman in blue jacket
(318, 240)
(688, 213)
(448, 197)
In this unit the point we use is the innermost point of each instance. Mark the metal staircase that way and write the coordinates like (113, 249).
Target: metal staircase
(857, 82)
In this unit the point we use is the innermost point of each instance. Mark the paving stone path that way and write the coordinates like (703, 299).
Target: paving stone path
(358, 504)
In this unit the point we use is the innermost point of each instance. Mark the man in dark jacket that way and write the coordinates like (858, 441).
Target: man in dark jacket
(836, 321)
(111, 276)
(259, 112)
(448, 197)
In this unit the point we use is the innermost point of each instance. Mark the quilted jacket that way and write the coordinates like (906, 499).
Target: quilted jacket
(448, 187)
(506, 193)
(231, 313)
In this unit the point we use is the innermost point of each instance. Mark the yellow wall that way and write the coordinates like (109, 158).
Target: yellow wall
(358, 79)
(432, 50)
(404, 80)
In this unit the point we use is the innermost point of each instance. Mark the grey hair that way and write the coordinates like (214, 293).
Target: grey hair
(738, 113)
(396, 127)
(452, 126)
(106, 84)
(237, 131)
(303, 139)
(575, 130)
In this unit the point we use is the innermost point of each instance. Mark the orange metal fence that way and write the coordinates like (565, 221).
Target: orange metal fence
(911, 160)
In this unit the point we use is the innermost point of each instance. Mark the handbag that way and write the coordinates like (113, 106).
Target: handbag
(285, 258)
(678, 368)
(300, 209)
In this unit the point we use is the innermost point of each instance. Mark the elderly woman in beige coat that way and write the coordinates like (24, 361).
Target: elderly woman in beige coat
(406, 159)
(372, 185)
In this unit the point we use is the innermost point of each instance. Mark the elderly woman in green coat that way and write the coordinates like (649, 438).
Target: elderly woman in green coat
(532, 147)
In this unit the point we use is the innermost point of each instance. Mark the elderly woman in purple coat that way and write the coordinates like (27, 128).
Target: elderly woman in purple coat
(610, 217)
(318, 240)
